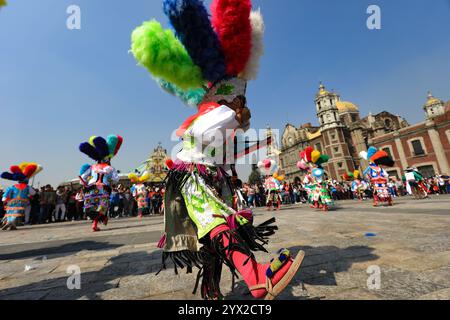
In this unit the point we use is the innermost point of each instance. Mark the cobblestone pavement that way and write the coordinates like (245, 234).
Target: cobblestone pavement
(410, 243)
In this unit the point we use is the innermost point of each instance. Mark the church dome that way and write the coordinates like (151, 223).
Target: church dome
(346, 106)
(432, 100)
(322, 90)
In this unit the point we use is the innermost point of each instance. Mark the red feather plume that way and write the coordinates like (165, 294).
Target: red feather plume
(308, 152)
(231, 21)
(119, 144)
(15, 169)
(30, 170)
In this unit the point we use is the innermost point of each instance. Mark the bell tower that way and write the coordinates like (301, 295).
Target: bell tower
(333, 133)
(434, 107)
(327, 110)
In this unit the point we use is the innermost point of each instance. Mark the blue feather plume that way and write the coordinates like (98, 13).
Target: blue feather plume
(102, 147)
(191, 22)
(13, 176)
(90, 151)
(7, 176)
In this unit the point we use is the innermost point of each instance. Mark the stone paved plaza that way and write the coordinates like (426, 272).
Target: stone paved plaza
(411, 246)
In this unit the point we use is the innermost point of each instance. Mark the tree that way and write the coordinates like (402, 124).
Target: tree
(255, 177)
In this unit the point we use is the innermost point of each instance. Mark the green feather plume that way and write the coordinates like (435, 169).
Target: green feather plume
(164, 56)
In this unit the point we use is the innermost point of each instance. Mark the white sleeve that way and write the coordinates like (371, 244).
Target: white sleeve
(216, 126)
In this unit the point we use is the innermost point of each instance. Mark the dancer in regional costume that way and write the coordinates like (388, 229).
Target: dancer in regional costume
(208, 64)
(319, 196)
(272, 183)
(17, 197)
(98, 178)
(414, 183)
(308, 180)
(377, 176)
(358, 186)
(139, 192)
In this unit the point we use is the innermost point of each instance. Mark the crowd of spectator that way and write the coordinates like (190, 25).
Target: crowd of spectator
(66, 204)
(294, 193)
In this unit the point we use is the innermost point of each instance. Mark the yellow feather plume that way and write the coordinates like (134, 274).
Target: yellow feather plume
(91, 140)
(315, 155)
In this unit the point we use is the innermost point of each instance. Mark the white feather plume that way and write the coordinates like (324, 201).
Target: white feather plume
(251, 70)
(363, 155)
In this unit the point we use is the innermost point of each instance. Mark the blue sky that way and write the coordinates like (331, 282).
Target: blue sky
(58, 87)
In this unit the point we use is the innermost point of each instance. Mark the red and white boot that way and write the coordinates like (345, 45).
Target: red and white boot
(263, 280)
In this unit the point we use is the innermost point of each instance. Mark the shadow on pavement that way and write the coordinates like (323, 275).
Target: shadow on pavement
(58, 250)
(92, 283)
(320, 266)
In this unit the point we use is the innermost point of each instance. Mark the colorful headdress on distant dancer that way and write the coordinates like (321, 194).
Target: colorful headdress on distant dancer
(202, 60)
(23, 172)
(377, 157)
(351, 176)
(101, 149)
(279, 177)
(312, 157)
(139, 178)
(268, 167)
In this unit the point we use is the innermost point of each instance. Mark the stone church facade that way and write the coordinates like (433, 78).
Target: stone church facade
(342, 133)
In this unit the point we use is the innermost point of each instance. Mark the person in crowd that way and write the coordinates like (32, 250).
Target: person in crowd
(251, 196)
(127, 202)
(60, 204)
(79, 198)
(51, 202)
(71, 206)
(114, 203)
(442, 184)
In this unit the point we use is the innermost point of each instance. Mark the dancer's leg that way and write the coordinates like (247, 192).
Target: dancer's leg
(252, 272)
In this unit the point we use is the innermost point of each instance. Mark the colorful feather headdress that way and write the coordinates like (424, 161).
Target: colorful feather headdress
(311, 156)
(99, 149)
(203, 60)
(139, 178)
(351, 176)
(378, 157)
(23, 172)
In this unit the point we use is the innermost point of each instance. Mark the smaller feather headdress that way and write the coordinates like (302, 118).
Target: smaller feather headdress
(101, 149)
(351, 176)
(314, 157)
(377, 157)
(139, 178)
(23, 172)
